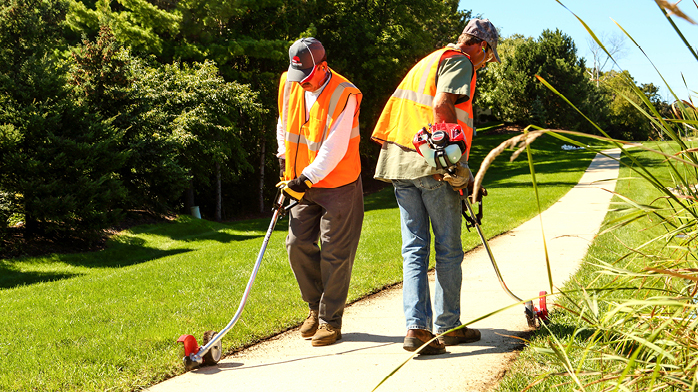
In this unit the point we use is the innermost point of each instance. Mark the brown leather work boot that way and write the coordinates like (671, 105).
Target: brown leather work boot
(463, 335)
(310, 324)
(417, 337)
(326, 335)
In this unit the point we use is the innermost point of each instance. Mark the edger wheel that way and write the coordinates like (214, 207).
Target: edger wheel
(530, 314)
(214, 354)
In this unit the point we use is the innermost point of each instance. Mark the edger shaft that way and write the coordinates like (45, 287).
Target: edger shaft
(210, 352)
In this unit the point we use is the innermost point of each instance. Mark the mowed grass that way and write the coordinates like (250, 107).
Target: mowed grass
(109, 320)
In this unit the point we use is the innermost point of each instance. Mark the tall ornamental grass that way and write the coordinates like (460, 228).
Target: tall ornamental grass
(628, 319)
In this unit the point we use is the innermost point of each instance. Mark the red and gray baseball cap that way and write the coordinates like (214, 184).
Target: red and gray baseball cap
(485, 30)
(304, 54)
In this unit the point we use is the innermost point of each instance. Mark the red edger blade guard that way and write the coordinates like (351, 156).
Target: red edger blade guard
(190, 344)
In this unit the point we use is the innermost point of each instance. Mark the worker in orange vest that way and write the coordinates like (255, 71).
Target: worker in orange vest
(439, 88)
(318, 150)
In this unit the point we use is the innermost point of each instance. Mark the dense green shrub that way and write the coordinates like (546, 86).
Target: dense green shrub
(182, 124)
(58, 157)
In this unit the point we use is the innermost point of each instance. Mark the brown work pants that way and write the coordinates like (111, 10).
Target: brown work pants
(332, 217)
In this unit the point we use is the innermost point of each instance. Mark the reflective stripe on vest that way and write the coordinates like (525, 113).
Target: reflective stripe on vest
(411, 106)
(305, 138)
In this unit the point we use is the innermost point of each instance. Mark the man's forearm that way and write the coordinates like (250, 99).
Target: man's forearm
(445, 108)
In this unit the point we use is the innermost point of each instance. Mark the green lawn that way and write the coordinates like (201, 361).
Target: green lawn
(109, 320)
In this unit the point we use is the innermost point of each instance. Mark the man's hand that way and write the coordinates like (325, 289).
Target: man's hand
(295, 188)
(483, 192)
(461, 179)
(282, 168)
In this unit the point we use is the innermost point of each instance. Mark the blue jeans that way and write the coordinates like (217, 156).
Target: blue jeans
(424, 201)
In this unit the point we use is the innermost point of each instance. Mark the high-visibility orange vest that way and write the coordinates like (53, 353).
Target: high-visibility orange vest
(304, 138)
(411, 106)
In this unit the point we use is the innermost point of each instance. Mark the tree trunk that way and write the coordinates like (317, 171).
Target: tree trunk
(261, 176)
(219, 196)
(31, 227)
(189, 197)
(597, 76)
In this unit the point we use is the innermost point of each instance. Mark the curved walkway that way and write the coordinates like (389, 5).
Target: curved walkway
(373, 328)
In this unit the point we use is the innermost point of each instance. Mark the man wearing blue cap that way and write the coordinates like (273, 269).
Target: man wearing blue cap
(318, 150)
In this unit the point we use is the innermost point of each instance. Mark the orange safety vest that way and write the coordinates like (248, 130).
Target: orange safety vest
(411, 106)
(304, 138)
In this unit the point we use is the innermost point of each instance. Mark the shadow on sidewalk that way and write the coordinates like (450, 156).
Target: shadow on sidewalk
(494, 341)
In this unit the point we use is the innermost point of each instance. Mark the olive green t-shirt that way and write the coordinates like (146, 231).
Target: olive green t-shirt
(395, 163)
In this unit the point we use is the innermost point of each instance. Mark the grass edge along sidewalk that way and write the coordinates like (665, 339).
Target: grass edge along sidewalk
(109, 320)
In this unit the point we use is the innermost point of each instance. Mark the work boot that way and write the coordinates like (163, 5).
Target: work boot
(463, 335)
(326, 335)
(417, 337)
(310, 325)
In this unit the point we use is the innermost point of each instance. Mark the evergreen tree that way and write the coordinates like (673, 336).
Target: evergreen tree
(58, 158)
(138, 24)
(208, 118)
(107, 79)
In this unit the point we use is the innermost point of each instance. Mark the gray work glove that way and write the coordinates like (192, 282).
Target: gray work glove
(461, 179)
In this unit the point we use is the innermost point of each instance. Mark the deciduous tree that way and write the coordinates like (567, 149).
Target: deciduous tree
(517, 96)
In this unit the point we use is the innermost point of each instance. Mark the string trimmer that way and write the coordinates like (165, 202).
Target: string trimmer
(443, 145)
(209, 353)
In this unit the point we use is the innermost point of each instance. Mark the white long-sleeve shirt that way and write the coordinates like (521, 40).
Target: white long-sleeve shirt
(335, 145)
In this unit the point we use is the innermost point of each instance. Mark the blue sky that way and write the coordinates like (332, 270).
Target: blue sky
(642, 19)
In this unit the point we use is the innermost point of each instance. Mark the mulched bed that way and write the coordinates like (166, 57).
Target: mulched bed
(15, 245)
(505, 129)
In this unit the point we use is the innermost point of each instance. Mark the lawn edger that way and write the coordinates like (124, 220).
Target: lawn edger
(443, 145)
(209, 353)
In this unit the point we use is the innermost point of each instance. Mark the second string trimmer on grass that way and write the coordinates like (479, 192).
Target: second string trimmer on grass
(443, 145)
(209, 353)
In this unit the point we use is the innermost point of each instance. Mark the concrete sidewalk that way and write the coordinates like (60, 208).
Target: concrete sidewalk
(373, 329)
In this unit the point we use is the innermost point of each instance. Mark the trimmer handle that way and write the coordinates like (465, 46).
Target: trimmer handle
(476, 218)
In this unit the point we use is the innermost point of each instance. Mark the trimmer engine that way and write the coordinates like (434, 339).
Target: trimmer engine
(442, 145)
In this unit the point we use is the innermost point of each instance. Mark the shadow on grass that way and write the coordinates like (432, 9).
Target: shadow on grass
(120, 255)
(189, 229)
(130, 249)
(25, 272)
(10, 278)
(563, 331)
